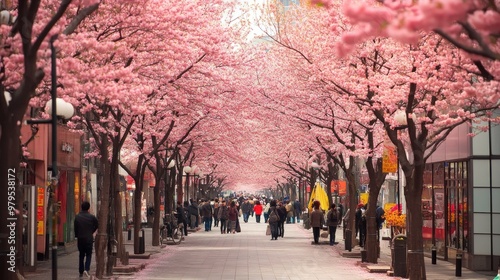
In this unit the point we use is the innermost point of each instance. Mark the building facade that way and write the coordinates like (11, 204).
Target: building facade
(461, 198)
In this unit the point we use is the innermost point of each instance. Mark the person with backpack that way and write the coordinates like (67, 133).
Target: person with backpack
(274, 220)
(380, 219)
(332, 220)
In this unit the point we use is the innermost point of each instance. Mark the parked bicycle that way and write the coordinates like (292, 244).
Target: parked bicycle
(171, 230)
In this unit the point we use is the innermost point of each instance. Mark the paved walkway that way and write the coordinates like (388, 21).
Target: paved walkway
(249, 255)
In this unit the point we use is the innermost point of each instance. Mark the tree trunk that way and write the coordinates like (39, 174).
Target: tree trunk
(103, 213)
(377, 178)
(372, 243)
(353, 202)
(118, 230)
(137, 214)
(413, 194)
(156, 221)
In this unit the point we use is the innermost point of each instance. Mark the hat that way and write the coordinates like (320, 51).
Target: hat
(360, 205)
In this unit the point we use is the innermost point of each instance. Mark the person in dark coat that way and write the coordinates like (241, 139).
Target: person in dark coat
(233, 216)
(274, 219)
(223, 215)
(332, 218)
(282, 212)
(206, 213)
(194, 214)
(361, 223)
(181, 217)
(85, 225)
(297, 210)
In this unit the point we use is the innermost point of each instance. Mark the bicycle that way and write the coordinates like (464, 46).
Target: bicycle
(171, 230)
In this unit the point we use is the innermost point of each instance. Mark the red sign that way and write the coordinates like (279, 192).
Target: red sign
(339, 186)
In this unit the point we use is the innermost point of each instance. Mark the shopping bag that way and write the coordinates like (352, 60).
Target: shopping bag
(268, 230)
(238, 228)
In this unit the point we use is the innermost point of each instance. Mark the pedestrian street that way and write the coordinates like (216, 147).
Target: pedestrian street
(251, 254)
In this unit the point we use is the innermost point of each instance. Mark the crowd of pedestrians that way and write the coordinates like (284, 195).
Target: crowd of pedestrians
(225, 213)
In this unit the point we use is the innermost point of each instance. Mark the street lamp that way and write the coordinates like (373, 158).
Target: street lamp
(401, 121)
(56, 107)
(170, 165)
(187, 169)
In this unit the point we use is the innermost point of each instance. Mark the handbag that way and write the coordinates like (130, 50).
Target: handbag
(268, 230)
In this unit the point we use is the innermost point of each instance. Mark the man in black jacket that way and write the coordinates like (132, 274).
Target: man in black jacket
(181, 217)
(282, 213)
(85, 226)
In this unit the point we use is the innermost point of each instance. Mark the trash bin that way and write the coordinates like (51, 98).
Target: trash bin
(398, 251)
(348, 240)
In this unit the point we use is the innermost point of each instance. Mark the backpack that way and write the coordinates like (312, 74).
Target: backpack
(273, 217)
(333, 216)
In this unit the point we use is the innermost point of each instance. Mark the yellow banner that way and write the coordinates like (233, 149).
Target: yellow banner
(389, 158)
(40, 228)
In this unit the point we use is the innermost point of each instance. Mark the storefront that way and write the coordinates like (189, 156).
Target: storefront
(460, 201)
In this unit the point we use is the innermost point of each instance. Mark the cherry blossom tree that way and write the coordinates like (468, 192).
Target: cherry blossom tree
(434, 71)
(24, 42)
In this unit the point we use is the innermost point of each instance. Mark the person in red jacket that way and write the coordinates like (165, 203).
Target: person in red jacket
(257, 209)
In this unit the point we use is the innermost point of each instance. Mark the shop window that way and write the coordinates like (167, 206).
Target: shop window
(433, 203)
(457, 205)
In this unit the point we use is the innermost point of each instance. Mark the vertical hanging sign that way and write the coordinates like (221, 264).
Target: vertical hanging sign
(389, 157)
(40, 211)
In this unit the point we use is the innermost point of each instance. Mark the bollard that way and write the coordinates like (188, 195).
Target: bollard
(434, 254)
(142, 243)
(364, 257)
(458, 265)
(348, 240)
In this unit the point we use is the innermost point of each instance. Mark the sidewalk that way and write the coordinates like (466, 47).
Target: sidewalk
(170, 258)
(67, 262)
(442, 270)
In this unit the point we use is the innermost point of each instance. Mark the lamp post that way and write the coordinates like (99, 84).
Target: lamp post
(170, 165)
(401, 123)
(57, 108)
(187, 169)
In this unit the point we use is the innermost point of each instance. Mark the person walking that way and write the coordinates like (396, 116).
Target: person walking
(317, 220)
(223, 215)
(282, 212)
(233, 216)
(216, 213)
(357, 217)
(206, 213)
(246, 209)
(274, 219)
(297, 210)
(266, 210)
(332, 219)
(257, 208)
(361, 222)
(85, 225)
